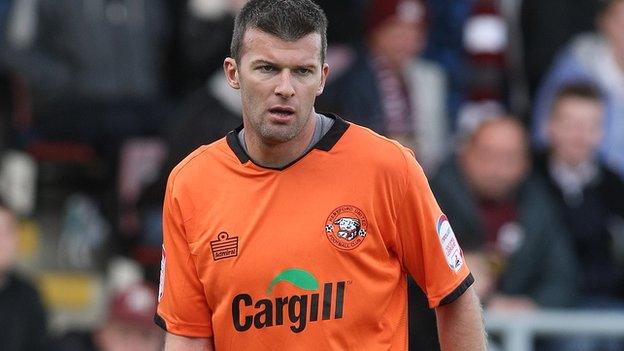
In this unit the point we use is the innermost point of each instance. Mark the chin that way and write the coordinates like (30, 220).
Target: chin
(277, 137)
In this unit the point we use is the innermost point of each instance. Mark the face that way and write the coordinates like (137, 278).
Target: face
(575, 130)
(496, 159)
(399, 41)
(127, 337)
(8, 240)
(279, 82)
(612, 24)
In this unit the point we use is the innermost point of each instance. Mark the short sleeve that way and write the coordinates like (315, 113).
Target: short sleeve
(426, 242)
(182, 306)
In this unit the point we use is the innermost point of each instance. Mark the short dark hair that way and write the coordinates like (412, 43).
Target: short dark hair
(605, 5)
(288, 20)
(583, 90)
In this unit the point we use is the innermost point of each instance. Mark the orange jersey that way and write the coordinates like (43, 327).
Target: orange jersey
(310, 256)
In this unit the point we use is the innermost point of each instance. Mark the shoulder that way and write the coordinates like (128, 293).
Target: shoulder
(200, 163)
(612, 186)
(378, 156)
(379, 150)
(610, 177)
(22, 289)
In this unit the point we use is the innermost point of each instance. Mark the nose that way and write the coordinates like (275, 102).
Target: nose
(285, 87)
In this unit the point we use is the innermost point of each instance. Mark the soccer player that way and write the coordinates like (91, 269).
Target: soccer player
(297, 230)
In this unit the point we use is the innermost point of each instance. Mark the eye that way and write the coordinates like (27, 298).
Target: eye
(266, 69)
(303, 71)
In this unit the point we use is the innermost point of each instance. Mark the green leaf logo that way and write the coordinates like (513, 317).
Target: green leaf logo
(297, 277)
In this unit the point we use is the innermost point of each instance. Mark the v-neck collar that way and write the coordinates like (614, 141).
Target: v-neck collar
(326, 143)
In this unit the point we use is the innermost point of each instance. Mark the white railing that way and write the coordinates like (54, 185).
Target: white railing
(519, 329)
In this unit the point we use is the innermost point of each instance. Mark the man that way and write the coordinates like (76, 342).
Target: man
(390, 88)
(128, 325)
(590, 195)
(23, 326)
(297, 229)
(513, 236)
(599, 59)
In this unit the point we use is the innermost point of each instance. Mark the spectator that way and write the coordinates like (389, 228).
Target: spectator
(590, 197)
(597, 58)
(23, 322)
(589, 193)
(389, 88)
(128, 327)
(505, 220)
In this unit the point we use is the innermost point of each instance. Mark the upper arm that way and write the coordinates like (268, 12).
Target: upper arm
(426, 243)
(182, 306)
(182, 343)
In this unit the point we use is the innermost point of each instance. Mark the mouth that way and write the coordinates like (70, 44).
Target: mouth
(282, 113)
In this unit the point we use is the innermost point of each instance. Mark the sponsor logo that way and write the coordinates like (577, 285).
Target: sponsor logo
(346, 227)
(224, 246)
(449, 244)
(295, 310)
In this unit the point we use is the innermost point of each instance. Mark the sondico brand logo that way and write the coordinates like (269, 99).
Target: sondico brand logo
(299, 309)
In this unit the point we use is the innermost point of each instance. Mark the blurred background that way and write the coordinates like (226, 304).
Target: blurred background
(515, 109)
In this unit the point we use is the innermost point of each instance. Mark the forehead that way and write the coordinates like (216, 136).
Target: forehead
(577, 101)
(576, 107)
(259, 45)
(498, 134)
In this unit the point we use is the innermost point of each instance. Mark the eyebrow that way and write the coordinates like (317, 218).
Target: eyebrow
(269, 63)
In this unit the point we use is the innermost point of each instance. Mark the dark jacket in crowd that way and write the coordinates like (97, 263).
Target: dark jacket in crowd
(23, 322)
(594, 220)
(355, 94)
(543, 266)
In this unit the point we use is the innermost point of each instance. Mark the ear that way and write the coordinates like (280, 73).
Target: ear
(324, 74)
(230, 68)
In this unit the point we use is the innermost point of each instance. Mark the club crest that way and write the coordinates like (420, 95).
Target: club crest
(346, 227)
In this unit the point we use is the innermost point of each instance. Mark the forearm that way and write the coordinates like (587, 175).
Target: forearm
(182, 343)
(460, 324)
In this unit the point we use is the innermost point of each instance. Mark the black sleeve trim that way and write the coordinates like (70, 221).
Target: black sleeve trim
(160, 322)
(458, 291)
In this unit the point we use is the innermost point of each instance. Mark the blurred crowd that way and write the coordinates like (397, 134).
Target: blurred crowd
(514, 108)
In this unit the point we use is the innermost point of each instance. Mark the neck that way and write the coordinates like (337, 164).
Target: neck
(279, 154)
(559, 160)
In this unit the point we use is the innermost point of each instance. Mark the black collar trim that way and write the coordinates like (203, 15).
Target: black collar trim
(326, 143)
